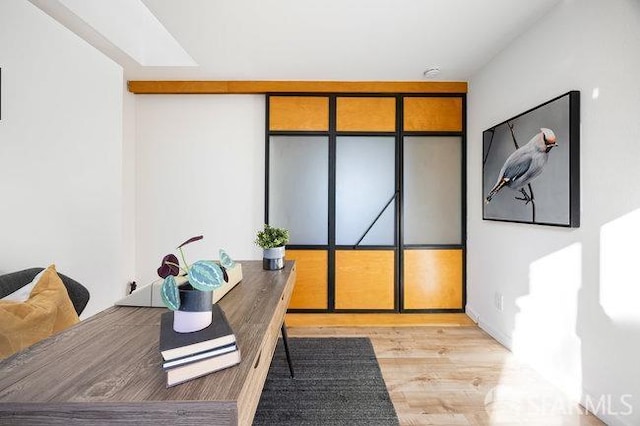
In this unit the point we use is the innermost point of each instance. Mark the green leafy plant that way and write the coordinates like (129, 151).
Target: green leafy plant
(271, 237)
(203, 275)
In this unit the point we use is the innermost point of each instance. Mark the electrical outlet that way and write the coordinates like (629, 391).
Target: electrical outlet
(498, 301)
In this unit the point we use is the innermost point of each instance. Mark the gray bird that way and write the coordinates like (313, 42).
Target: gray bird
(525, 164)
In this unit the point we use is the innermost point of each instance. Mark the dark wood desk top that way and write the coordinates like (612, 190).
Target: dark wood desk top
(107, 369)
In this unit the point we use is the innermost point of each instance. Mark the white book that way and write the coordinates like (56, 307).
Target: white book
(196, 369)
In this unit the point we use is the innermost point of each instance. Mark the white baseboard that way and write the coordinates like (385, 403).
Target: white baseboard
(471, 314)
(502, 338)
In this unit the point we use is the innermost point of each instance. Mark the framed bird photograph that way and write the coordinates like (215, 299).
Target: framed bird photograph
(531, 165)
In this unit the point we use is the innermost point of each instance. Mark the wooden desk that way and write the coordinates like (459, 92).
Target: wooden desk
(107, 369)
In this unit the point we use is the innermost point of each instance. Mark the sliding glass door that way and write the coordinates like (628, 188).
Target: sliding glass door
(372, 189)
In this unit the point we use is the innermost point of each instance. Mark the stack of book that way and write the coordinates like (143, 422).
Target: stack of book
(190, 355)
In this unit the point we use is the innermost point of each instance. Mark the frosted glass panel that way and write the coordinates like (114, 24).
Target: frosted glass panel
(365, 181)
(432, 190)
(298, 187)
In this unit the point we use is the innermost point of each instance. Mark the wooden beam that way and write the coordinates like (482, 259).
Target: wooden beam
(376, 320)
(260, 87)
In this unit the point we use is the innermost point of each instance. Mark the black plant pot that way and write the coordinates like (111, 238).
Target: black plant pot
(195, 309)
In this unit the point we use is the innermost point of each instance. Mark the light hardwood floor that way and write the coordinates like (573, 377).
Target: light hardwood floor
(458, 375)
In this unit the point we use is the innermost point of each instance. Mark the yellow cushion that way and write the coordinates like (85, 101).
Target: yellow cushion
(47, 311)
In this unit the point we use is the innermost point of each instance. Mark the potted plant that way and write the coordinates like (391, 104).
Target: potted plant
(188, 289)
(272, 241)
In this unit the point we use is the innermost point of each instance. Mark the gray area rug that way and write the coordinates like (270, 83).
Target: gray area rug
(337, 382)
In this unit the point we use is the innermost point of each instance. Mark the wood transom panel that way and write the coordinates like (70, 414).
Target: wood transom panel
(366, 114)
(299, 113)
(433, 279)
(310, 291)
(365, 279)
(433, 114)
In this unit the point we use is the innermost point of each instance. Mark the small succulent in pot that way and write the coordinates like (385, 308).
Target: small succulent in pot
(271, 237)
(203, 275)
(272, 240)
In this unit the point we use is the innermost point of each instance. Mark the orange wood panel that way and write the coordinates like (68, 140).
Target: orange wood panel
(433, 114)
(310, 291)
(260, 87)
(433, 279)
(364, 279)
(366, 114)
(299, 113)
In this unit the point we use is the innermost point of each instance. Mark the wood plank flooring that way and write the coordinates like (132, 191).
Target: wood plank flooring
(459, 375)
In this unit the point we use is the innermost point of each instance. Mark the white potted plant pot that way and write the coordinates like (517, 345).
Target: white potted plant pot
(195, 309)
(273, 258)
(272, 240)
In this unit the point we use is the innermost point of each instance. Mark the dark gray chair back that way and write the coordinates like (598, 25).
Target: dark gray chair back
(78, 294)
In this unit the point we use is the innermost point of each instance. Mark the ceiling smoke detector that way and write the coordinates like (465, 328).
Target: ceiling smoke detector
(431, 72)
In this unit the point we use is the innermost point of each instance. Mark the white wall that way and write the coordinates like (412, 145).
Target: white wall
(570, 296)
(60, 153)
(199, 170)
(128, 254)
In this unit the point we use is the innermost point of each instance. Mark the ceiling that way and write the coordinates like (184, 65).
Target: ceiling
(305, 40)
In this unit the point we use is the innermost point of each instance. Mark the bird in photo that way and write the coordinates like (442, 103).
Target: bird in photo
(525, 164)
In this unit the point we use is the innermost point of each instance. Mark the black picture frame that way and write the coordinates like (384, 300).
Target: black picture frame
(540, 183)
